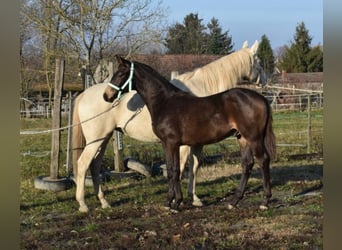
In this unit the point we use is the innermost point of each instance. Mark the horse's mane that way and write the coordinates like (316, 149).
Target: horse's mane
(149, 70)
(219, 75)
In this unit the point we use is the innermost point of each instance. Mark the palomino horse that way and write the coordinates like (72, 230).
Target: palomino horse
(179, 118)
(97, 120)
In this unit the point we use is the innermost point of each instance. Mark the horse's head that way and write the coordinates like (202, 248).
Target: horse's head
(257, 74)
(121, 81)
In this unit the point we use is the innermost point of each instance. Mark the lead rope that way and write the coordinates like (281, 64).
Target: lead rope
(115, 103)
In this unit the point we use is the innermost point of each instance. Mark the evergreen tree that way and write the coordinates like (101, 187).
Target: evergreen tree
(175, 41)
(288, 62)
(186, 38)
(194, 33)
(191, 37)
(265, 54)
(218, 43)
(315, 60)
(300, 57)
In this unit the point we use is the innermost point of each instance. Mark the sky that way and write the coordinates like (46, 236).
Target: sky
(250, 19)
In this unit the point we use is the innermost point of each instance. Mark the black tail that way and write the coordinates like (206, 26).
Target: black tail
(269, 138)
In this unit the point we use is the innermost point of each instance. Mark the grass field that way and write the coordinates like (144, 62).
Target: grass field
(50, 220)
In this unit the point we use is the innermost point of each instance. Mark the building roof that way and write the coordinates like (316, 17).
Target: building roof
(313, 77)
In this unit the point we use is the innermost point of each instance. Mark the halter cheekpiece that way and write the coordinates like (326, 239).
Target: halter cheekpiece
(127, 83)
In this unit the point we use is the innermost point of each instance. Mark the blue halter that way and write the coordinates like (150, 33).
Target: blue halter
(128, 82)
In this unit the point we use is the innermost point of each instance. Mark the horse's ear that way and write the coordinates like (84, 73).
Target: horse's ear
(121, 60)
(118, 59)
(255, 47)
(245, 44)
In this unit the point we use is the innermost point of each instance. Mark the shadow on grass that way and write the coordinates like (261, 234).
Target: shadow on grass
(280, 176)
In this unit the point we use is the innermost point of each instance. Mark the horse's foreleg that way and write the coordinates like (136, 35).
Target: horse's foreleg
(247, 163)
(95, 168)
(195, 155)
(173, 175)
(82, 166)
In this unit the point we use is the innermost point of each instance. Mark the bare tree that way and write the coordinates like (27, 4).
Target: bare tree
(24, 37)
(97, 25)
(47, 26)
(87, 29)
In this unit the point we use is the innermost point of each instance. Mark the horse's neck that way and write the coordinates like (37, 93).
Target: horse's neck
(153, 89)
(216, 77)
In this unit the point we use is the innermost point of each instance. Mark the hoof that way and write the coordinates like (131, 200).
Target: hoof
(173, 211)
(104, 204)
(83, 209)
(197, 203)
(167, 206)
(231, 207)
(263, 207)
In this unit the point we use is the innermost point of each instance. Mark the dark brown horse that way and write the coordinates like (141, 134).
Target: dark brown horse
(179, 118)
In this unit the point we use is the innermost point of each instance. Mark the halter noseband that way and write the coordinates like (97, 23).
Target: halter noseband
(128, 82)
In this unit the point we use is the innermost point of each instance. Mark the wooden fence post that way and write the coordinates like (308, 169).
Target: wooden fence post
(118, 151)
(309, 126)
(56, 119)
(53, 182)
(174, 74)
(69, 143)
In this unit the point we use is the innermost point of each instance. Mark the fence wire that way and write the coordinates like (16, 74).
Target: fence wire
(280, 103)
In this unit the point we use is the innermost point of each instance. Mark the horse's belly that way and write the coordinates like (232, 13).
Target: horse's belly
(205, 137)
(213, 131)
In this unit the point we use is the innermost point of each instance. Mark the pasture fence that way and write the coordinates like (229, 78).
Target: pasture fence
(298, 131)
(282, 99)
(291, 98)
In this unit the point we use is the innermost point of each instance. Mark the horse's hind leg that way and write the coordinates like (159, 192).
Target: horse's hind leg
(247, 163)
(264, 163)
(83, 164)
(184, 152)
(95, 168)
(195, 155)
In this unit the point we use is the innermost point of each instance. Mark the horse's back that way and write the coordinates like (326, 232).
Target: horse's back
(247, 96)
(245, 91)
(246, 106)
